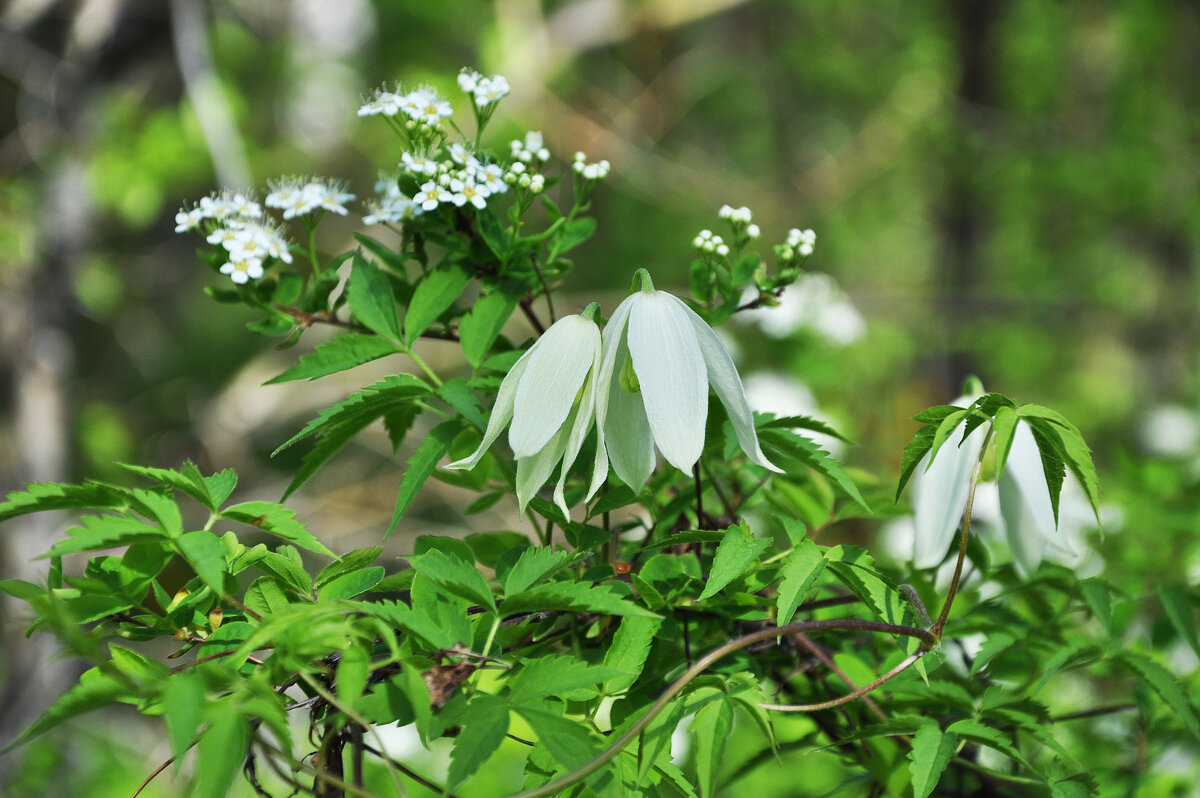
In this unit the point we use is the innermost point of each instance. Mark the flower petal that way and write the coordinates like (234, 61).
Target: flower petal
(532, 472)
(672, 375)
(1024, 464)
(725, 382)
(940, 496)
(502, 412)
(628, 441)
(581, 420)
(558, 364)
(1025, 537)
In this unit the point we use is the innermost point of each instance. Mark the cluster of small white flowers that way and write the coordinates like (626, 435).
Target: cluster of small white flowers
(297, 196)
(423, 105)
(461, 179)
(240, 229)
(532, 147)
(799, 241)
(485, 90)
(706, 241)
(220, 206)
(590, 171)
(740, 218)
(392, 206)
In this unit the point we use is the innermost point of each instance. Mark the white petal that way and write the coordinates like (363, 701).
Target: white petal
(558, 364)
(726, 383)
(628, 441)
(940, 496)
(1025, 535)
(1025, 467)
(580, 425)
(611, 342)
(672, 375)
(532, 472)
(502, 412)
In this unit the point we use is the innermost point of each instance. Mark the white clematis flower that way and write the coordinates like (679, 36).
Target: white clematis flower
(659, 360)
(549, 395)
(940, 497)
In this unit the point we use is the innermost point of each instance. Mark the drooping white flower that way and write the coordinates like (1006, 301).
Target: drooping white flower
(660, 359)
(549, 396)
(940, 497)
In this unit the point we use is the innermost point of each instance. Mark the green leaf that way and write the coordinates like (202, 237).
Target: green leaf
(1096, 594)
(203, 551)
(931, 752)
(103, 532)
(189, 482)
(275, 520)
(352, 672)
(800, 571)
(25, 591)
(567, 740)
(371, 300)
(422, 464)
(434, 295)
(533, 566)
(1179, 611)
(737, 551)
(1166, 684)
(480, 326)
(914, 452)
(804, 422)
(489, 547)
(352, 584)
(573, 596)
(493, 234)
(944, 430)
(455, 575)
(222, 750)
(41, 496)
(710, 730)
(183, 709)
(629, 650)
(266, 596)
(1004, 428)
(220, 485)
(804, 451)
(554, 675)
(458, 394)
(996, 644)
(575, 233)
(1072, 449)
(485, 725)
(337, 354)
(350, 561)
(380, 250)
(97, 687)
(338, 424)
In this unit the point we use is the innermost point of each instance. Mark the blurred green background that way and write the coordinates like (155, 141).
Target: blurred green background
(1000, 188)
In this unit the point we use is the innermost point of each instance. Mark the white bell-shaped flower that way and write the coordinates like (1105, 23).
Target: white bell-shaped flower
(659, 360)
(940, 497)
(549, 396)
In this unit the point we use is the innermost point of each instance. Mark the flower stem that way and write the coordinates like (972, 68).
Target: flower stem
(962, 546)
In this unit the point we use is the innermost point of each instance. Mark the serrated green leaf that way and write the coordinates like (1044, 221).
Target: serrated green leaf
(353, 669)
(387, 256)
(203, 551)
(285, 570)
(737, 551)
(266, 596)
(1053, 462)
(931, 752)
(986, 736)
(421, 465)
(1166, 684)
(183, 709)
(458, 394)
(805, 422)
(337, 354)
(1096, 595)
(573, 234)
(996, 644)
(800, 571)
(350, 561)
(806, 452)
(629, 650)
(1004, 428)
(1179, 611)
(434, 295)
(42, 496)
(220, 485)
(554, 675)
(572, 596)
(103, 532)
(351, 584)
(914, 452)
(485, 725)
(371, 300)
(1072, 449)
(97, 687)
(945, 429)
(275, 520)
(459, 577)
(188, 481)
(533, 566)
(710, 730)
(222, 750)
(480, 326)
(567, 740)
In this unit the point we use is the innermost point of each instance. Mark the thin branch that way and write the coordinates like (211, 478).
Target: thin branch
(556, 785)
(151, 777)
(859, 693)
(527, 309)
(816, 651)
(317, 772)
(417, 777)
(1092, 713)
(545, 288)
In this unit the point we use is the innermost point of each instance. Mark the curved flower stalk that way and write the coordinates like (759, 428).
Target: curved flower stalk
(659, 360)
(940, 497)
(549, 398)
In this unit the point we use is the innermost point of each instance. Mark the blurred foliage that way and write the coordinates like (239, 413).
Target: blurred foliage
(1006, 189)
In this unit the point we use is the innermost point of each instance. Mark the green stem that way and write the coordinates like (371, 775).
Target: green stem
(962, 546)
(561, 783)
(423, 366)
(487, 644)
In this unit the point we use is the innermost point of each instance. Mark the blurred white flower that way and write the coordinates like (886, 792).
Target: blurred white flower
(659, 360)
(539, 396)
(1169, 430)
(813, 302)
